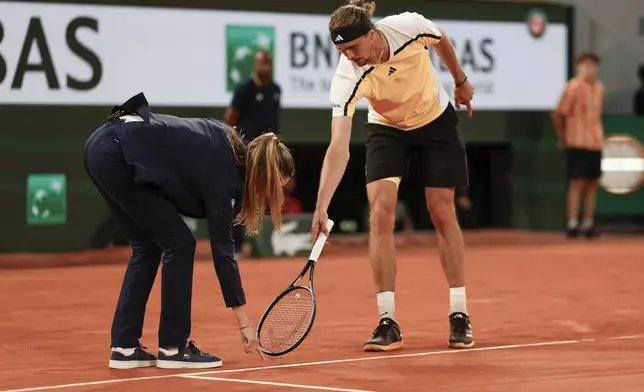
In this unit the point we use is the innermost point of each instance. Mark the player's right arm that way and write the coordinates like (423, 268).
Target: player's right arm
(335, 160)
(561, 111)
(344, 96)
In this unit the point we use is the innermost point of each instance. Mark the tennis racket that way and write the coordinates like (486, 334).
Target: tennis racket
(289, 318)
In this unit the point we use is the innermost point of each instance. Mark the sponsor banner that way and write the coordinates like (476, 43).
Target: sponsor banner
(46, 199)
(101, 55)
(294, 239)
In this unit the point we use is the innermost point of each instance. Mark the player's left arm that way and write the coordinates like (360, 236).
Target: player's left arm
(430, 34)
(447, 53)
(220, 216)
(562, 111)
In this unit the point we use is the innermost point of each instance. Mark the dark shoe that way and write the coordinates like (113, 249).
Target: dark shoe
(460, 331)
(188, 357)
(590, 232)
(572, 233)
(137, 359)
(386, 337)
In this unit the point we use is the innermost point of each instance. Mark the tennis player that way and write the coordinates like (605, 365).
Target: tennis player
(151, 169)
(387, 62)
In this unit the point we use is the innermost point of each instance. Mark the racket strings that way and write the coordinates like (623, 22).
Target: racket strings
(288, 321)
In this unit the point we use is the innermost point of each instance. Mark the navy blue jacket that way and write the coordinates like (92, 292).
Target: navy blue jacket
(192, 162)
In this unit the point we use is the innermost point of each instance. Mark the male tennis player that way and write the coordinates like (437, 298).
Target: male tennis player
(387, 63)
(152, 168)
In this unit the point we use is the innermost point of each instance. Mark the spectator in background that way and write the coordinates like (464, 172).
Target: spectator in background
(255, 105)
(292, 205)
(582, 137)
(254, 110)
(464, 208)
(638, 101)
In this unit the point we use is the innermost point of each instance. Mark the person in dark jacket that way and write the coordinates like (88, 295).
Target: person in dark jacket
(152, 168)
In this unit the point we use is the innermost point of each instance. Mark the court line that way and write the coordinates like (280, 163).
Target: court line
(629, 337)
(379, 357)
(328, 362)
(276, 384)
(91, 383)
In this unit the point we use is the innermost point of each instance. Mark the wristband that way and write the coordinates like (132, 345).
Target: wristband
(462, 83)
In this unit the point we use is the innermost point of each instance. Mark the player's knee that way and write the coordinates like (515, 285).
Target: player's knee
(382, 217)
(443, 214)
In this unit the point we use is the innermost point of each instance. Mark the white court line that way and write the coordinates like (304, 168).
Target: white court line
(376, 358)
(277, 384)
(91, 383)
(329, 362)
(626, 337)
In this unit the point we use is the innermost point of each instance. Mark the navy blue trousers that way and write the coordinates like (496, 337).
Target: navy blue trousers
(157, 234)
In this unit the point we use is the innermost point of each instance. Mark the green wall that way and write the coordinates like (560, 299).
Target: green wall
(44, 140)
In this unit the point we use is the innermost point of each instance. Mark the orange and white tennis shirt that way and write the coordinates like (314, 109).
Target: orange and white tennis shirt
(403, 92)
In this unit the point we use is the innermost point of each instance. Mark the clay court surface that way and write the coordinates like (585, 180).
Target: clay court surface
(546, 317)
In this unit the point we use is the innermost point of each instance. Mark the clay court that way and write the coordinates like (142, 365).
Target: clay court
(547, 316)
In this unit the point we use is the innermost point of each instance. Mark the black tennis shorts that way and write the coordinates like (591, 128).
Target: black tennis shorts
(439, 144)
(583, 164)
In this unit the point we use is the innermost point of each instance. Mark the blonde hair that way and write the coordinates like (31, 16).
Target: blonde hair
(267, 162)
(352, 13)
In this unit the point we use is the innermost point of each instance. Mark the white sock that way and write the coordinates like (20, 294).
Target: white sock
(457, 300)
(386, 305)
(587, 223)
(169, 352)
(125, 351)
(572, 223)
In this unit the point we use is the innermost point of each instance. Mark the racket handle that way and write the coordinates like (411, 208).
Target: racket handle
(319, 243)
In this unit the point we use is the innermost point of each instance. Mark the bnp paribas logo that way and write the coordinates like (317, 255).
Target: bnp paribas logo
(46, 199)
(242, 41)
